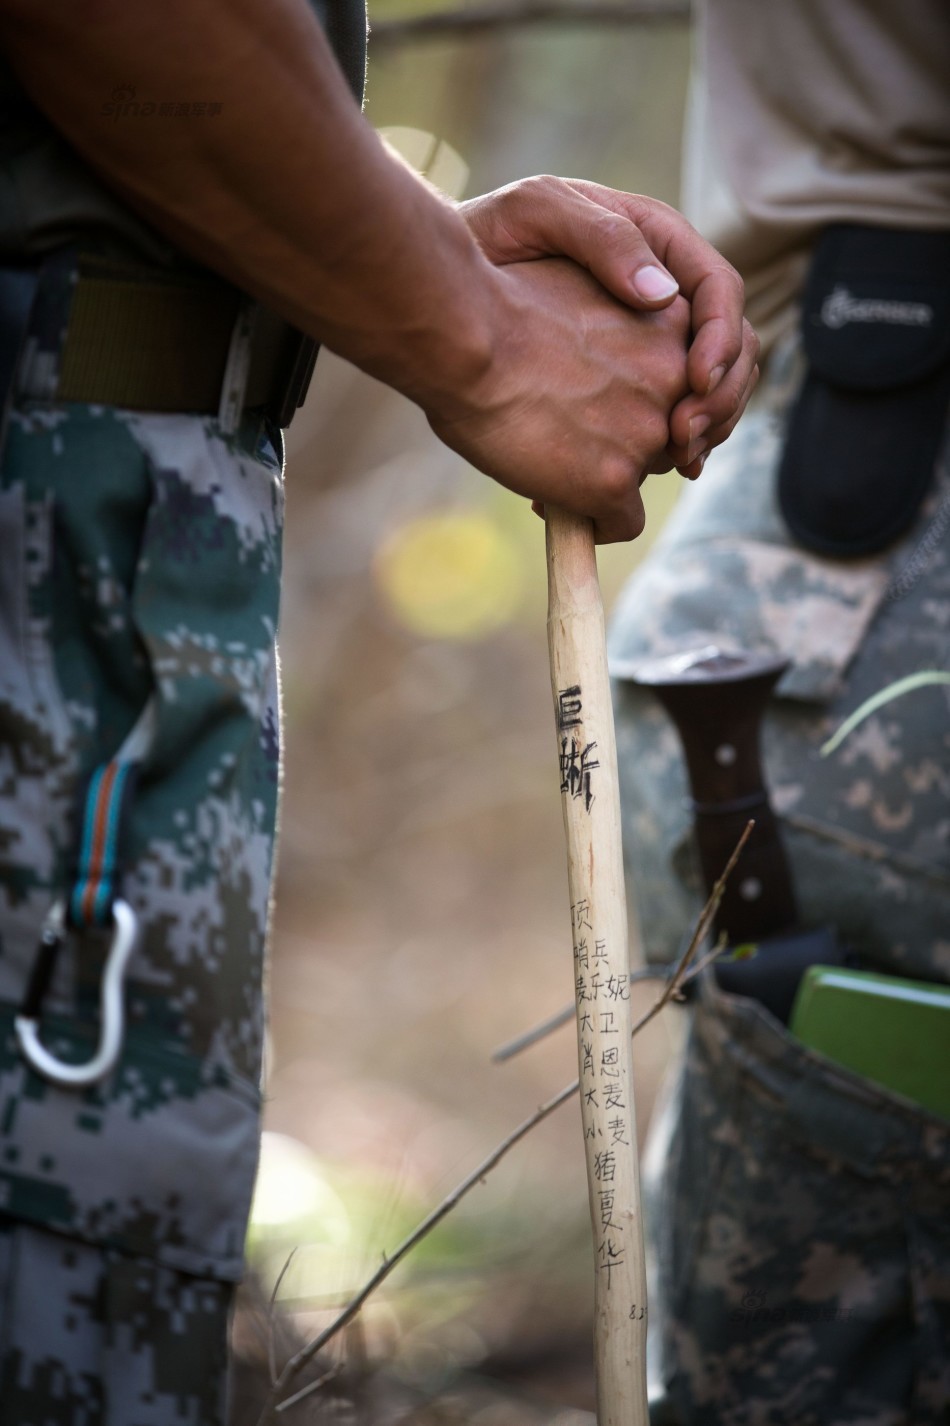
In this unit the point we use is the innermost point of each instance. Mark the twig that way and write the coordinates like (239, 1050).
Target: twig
(290, 1401)
(474, 18)
(271, 1337)
(670, 990)
(675, 978)
(255, 1317)
(679, 977)
(717, 950)
(305, 1354)
(531, 1037)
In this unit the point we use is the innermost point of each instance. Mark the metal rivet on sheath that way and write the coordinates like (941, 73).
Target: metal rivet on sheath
(725, 755)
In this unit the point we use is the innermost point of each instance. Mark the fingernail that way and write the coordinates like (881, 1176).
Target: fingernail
(653, 284)
(715, 377)
(698, 427)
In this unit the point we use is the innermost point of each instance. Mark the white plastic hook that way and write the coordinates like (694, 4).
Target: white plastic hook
(112, 1015)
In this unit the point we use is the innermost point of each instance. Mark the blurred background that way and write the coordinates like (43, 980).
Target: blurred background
(422, 912)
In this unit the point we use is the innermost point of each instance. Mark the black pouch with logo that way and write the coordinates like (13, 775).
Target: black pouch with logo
(865, 431)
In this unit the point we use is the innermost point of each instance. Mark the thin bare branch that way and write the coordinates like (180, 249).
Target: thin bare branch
(714, 954)
(305, 1354)
(311, 1386)
(676, 977)
(271, 1334)
(679, 978)
(472, 19)
(682, 974)
(563, 1017)
(255, 1317)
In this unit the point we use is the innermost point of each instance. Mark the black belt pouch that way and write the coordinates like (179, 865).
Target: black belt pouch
(865, 431)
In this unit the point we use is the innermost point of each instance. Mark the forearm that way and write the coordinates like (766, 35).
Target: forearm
(316, 219)
(535, 372)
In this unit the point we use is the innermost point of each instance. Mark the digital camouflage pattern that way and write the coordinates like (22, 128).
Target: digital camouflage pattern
(802, 1239)
(803, 1254)
(141, 562)
(867, 829)
(94, 1336)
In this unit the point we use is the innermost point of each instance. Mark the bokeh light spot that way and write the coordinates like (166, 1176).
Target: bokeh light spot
(450, 576)
(291, 1188)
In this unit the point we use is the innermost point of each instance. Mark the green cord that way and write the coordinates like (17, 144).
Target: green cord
(877, 700)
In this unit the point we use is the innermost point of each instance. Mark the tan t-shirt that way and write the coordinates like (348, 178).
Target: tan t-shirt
(809, 112)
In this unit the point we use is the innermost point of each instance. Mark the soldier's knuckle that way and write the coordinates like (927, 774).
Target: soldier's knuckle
(636, 520)
(751, 339)
(731, 400)
(540, 188)
(615, 476)
(734, 279)
(613, 235)
(654, 431)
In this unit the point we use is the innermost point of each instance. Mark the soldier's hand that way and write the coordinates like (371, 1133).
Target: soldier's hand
(573, 409)
(642, 251)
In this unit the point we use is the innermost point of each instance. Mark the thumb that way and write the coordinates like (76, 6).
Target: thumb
(546, 217)
(619, 256)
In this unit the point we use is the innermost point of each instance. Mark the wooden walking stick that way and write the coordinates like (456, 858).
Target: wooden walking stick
(591, 803)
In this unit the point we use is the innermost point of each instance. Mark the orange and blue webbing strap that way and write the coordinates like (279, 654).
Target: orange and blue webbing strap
(96, 881)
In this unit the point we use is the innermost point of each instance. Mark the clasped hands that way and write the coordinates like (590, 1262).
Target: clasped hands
(603, 370)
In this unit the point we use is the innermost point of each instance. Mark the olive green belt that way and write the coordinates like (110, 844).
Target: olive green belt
(158, 342)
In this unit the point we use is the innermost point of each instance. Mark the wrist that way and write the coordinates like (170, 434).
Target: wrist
(436, 341)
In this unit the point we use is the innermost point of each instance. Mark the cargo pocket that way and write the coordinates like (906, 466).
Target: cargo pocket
(158, 583)
(805, 1246)
(70, 495)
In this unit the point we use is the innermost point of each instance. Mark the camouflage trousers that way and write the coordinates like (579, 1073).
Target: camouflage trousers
(798, 1212)
(140, 570)
(91, 1335)
(801, 1239)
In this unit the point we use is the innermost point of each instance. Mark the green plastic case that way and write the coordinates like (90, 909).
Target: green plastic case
(895, 1032)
